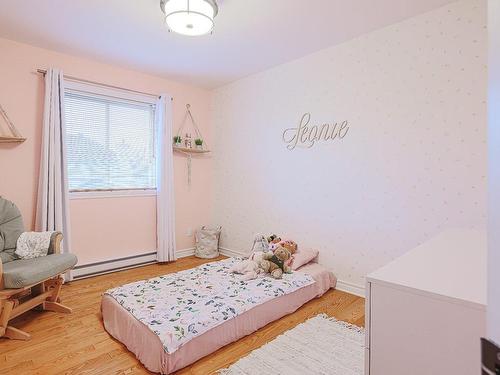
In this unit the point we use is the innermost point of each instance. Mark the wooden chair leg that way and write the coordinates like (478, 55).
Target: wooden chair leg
(52, 303)
(7, 307)
(16, 334)
(56, 285)
(56, 307)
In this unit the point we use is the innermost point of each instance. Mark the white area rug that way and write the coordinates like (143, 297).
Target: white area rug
(319, 346)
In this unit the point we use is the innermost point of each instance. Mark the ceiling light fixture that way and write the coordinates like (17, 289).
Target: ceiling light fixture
(190, 17)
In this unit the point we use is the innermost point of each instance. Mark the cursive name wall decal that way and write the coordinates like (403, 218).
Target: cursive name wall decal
(306, 135)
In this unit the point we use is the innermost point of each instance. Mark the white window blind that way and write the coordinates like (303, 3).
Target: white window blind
(110, 143)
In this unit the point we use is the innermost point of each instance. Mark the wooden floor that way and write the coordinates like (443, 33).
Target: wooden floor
(78, 343)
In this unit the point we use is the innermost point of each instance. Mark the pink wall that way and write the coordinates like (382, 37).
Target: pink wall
(103, 228)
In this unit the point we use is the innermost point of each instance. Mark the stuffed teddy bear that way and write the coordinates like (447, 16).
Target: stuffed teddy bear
(248, 268)
(290, 245)
(275, 264)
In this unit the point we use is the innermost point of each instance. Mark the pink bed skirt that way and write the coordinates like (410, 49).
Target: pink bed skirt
(147, 347)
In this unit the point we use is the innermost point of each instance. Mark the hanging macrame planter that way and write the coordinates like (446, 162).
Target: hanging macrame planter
(15, 136)
(187, 145)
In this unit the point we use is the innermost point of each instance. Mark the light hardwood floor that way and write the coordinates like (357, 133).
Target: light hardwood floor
(78, 343)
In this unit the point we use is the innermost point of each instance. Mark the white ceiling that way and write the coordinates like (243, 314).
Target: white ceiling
(250, 35)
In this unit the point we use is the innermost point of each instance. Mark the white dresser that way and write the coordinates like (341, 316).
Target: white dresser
(426, 310)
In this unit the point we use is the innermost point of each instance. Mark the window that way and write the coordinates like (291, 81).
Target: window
(110, 139)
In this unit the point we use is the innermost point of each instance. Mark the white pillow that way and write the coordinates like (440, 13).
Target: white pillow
(33, 244)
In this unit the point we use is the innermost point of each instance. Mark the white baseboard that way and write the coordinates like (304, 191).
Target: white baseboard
(344, 286)
(231, 253)
(113, 265)
(185, 252)
(120, 264)
(351, 288)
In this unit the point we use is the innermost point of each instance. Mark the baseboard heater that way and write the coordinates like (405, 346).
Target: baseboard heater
(113, 265)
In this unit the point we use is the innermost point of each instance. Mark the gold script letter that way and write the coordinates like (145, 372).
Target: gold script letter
(344, 128)
(296, 132)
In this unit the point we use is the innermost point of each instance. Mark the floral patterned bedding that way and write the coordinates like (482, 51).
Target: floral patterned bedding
(180, 306)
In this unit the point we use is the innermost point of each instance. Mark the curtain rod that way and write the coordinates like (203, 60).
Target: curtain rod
(44, 71)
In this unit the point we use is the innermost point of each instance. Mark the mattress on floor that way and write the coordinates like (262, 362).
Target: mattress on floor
(148, 348)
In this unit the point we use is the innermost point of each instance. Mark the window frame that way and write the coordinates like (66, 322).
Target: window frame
(121, 95)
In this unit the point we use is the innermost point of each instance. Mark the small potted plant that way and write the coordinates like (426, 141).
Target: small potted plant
(199, 143)
(177, 141)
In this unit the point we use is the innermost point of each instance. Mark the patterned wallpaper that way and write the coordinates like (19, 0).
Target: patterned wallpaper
(412, 164)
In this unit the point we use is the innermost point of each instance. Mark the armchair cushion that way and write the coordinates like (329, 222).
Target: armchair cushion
(11, 227)
(25, 272)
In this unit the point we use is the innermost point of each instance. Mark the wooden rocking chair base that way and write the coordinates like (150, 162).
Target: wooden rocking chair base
(56, 307)
(16, 334)
(14, 302)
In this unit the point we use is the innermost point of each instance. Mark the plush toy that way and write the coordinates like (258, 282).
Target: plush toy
(272, 246)
(273, 241)
(248, 268)
(290, 245)
(257, 256)
(275, 264)
(260, 243)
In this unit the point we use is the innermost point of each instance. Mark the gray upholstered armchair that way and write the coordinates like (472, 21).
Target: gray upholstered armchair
(27, 283)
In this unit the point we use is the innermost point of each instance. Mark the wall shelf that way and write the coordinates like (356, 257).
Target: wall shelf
(15, 136)
(190, 150)
(5, 139)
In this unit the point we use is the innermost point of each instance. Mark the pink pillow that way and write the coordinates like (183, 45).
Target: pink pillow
(303, 256)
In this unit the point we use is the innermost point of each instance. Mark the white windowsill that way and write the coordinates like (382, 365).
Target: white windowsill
(111, 194)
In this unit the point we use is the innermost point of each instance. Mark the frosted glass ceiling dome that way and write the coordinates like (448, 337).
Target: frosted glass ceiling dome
(190, 17)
